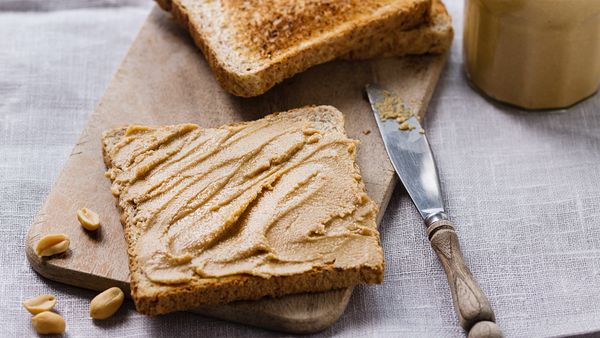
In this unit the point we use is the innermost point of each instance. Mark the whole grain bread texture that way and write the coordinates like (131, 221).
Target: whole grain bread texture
(432, 37)
(251, 45)
(155, 298)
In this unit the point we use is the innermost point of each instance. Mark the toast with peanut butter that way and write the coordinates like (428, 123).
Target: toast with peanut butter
(264, 208)
(252, 45)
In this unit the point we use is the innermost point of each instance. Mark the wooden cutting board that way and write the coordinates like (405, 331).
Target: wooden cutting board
(165, 80)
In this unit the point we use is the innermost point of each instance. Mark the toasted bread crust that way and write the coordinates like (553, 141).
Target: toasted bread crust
(433, 37)
(153, 299)
(254, 81)
(249, 288)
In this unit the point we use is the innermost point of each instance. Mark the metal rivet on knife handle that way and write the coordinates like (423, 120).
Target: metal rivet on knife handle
(472, 306)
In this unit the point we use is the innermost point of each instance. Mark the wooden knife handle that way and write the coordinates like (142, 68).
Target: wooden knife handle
(472, 306)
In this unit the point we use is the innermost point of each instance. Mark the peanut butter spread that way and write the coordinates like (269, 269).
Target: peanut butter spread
(391, 107)
(274, 197)
(533, 54)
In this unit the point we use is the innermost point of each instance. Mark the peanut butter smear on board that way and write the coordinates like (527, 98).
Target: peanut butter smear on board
(273, 197)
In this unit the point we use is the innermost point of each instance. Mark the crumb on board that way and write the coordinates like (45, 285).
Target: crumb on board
(366, 131)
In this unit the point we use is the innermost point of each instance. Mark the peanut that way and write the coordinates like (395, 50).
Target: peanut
(40, 304)
(52, 244)
(48, 323)
(107, 303)
(88, 219)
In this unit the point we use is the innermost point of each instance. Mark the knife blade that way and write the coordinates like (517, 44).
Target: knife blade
(412, 159)
(410, 155)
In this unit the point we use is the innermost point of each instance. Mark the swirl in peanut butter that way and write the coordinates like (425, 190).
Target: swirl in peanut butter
(272, 197)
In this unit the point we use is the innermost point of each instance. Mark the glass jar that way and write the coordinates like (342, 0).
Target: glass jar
(535, 54)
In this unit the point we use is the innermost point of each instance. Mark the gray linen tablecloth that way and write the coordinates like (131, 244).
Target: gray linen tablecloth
(523, 189)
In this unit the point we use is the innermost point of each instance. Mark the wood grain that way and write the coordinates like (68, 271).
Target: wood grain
(164, 80)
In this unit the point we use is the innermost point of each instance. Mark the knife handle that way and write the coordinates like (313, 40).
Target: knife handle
(472, 306)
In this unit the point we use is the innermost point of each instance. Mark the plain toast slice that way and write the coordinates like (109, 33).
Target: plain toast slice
(252, 45)
(263, 208)
(433, 37)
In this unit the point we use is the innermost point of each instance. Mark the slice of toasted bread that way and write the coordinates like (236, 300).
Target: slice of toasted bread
(433, 37)
(263, 208)
(252, 45)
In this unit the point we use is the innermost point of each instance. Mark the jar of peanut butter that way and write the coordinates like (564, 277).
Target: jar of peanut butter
(535, 54)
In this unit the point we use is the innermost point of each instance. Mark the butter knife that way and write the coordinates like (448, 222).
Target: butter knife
(413, 161)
